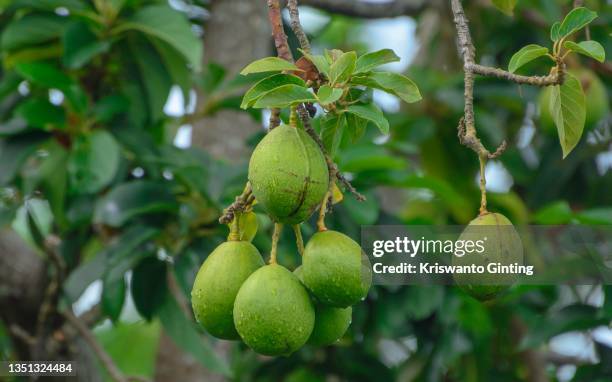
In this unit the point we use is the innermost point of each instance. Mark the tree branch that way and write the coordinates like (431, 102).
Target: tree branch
(466, 128)
(104, 357)
(303, 112)
(370, 9)
(294, 16)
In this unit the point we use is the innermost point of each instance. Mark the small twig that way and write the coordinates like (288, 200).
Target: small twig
(23, 335)
(294, 16)
(49, 303)
(278, 227)
(104, 357)
(241, 202)
(466, 128)
(282, 47)
(552, 79)
(299, 241)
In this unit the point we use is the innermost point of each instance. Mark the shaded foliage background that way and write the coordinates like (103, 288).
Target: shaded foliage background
(90, 171)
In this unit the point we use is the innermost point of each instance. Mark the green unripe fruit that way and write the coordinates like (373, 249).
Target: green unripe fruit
(597, 101)
(288, 174)
(335, 269)
(273, 313)
(330, 324)
(217, 283)
(501, 246)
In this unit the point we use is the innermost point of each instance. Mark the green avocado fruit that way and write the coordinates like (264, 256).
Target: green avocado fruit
(273, 312)
(335, 269)
(288, 174)
(597, 101)
(501, 245)
(330, 323)
(217, 283)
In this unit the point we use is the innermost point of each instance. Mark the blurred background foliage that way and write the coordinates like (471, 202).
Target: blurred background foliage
(99, 99)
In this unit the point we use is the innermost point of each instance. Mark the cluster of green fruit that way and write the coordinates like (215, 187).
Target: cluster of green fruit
(273, 310)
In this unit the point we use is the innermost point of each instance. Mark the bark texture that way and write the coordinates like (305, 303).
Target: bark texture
(236, 34)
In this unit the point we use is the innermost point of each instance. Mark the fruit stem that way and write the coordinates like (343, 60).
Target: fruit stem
(322, 210)
(483, 183)
(278, 227)
(293, 116)
(298, 239)
(234, 234)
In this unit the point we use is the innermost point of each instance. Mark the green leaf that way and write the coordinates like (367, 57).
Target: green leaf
(124, 246)
(113, 296)
(133, 199)
(268, 64)
(81, 45)
(554, 31)
(40, 113)
(267, 84)
(168, 25)
(49, 5)
(371, 60)
(247, 225)
(554, 213)
(600, 215)
(589, 48)
(342, 68)
(176, 66)
(577, 19)
(14, 151)
(31, 29)
(327, 94)
(284, 96)
(331, 131)
(148, 286)
(506, 6)
(108, 107)
(568, 109)
(94, 161)
(319, 61)
(393, 83)
(184, 334)
(526, 54)
(50, 175)
(44, 75)
(372, 113)
(154, 77)
(14, 126)
(356, 126)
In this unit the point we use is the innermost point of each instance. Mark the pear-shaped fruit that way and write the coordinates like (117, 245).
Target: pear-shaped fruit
(217, 283)
(273, 313)
(288, 174)
(335, 269)
(330, 324)
(501, 246)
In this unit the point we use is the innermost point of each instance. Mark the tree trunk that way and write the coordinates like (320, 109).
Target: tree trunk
(236, 34)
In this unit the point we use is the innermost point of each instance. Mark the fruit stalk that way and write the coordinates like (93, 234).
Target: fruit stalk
(299, 241)
(278, 227)
(483, 185)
